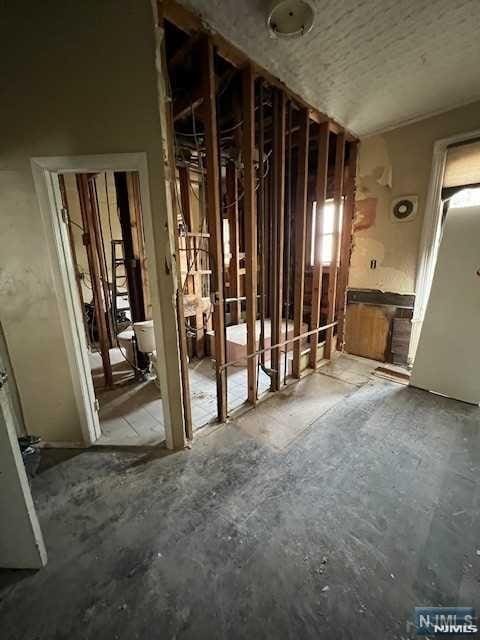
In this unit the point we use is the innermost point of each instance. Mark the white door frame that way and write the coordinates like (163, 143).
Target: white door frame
(45, 172)
(431, 233)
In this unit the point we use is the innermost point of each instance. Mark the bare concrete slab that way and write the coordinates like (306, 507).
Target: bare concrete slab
(280, 419)
(372, 510)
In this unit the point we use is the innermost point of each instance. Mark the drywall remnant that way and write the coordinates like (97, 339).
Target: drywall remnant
(375, 161)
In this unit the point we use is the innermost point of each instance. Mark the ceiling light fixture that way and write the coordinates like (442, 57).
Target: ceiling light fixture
(290, 18)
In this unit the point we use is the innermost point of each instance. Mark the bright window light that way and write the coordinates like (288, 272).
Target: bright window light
(328, 231)
(227, 254)
(466, 198)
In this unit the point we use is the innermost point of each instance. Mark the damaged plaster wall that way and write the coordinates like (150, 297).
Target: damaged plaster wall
(394, 164)
(105, 103)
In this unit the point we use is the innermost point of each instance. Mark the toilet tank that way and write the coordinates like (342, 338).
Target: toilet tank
(145, 336)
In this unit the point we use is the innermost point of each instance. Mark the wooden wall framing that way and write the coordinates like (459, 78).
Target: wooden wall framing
(308, 130)
(323, 143)
(300, 235)
(214, 219)
(250, 217)
(278, 212)
(94, 249)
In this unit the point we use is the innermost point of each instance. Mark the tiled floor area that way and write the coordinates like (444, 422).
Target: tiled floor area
(131, 414)
(203, 390)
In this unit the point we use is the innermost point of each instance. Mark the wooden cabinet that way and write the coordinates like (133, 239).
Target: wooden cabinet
(367, 330)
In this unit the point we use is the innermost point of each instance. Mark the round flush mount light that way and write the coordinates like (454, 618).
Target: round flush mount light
(290, 18)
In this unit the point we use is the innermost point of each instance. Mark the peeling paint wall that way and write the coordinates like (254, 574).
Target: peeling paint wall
(390, 165)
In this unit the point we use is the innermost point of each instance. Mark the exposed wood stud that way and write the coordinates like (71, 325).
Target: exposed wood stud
(214, 219)
(346, 243)
(278, 201)
(231, 179)
(317, 271)
(337, 198)
(131, 264)
(300, 236)
(102, 259)
(262, 249)
(250, 223)
(63, 194)
(288, 229)
(93, 252)
(168, 128)
(136, 220)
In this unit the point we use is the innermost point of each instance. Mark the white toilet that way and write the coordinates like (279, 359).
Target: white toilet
(146, 344)
(145, 336)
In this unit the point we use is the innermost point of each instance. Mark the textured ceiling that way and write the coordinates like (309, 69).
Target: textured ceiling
(370, 64)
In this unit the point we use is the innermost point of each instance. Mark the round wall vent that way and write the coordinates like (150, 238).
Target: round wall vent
(290, 18)
(404, 208)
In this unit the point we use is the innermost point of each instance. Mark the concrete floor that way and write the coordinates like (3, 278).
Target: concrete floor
(369, 506)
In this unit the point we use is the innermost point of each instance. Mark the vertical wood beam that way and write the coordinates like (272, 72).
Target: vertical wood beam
(214, 218)
(317, 271)
(250, 223)
(100, 249)
(91, 242)
(262, 285)
(337, 199)
(131, 264)
(232, 212)
(346, 243)
(278, 211)
(71, 237)
(175, 435)
(300, 236)
(136, 221)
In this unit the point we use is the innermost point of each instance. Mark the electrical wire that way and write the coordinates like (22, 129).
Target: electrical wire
(75, 224)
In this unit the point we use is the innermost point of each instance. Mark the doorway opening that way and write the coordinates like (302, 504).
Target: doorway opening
(103, 214)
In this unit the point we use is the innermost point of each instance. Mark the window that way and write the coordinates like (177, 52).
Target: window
(466, 198)
(328, 231)
(227, 254)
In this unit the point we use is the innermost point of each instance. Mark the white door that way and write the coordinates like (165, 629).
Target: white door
(448, 355)
(21, 542)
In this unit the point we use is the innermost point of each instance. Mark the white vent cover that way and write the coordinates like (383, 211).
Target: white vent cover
(404, 208)
(290, 18)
